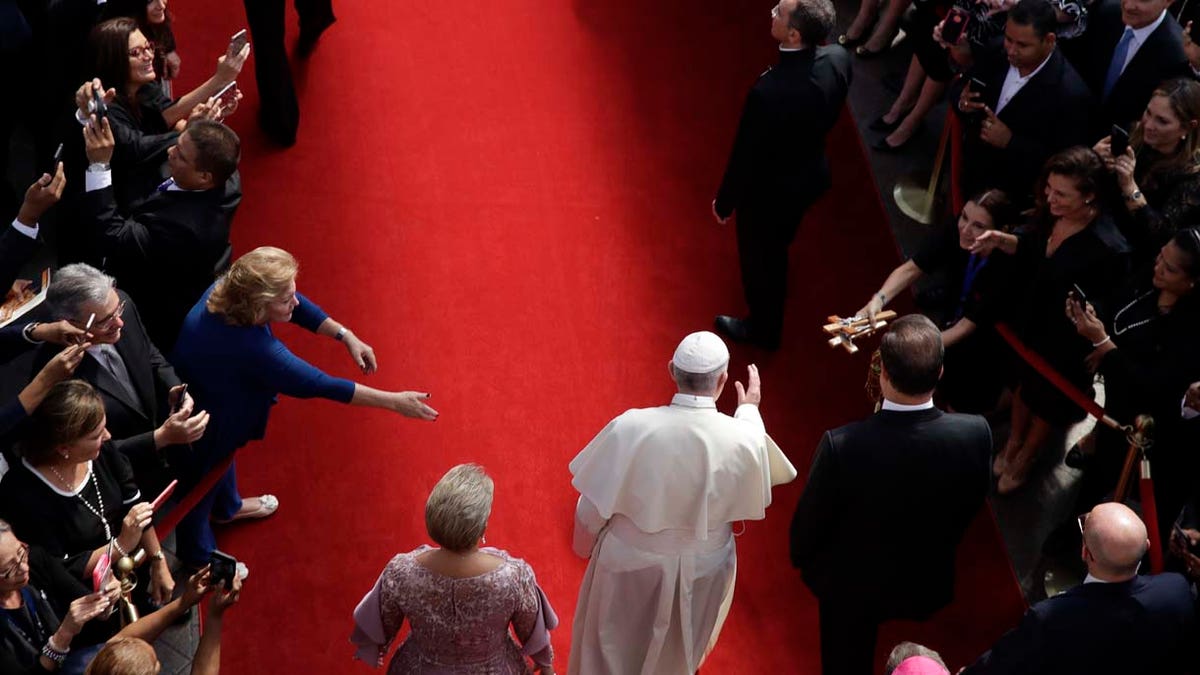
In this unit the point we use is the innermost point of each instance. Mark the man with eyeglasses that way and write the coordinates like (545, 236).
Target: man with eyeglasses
(777, 168)
(138, 385)
(1115, 622)
(168, 246)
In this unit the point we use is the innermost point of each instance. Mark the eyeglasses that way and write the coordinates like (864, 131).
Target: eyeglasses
(14, 568)
(139, 52)
(1081, 520)
(106, 322)
(775, 12)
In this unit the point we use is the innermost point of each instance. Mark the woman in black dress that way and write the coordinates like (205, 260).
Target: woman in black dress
(1158, 176)
(1147, 354)
(73, 491)
(1070, 244)
(965, 304)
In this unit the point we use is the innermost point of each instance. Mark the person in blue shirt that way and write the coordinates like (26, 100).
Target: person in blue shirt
(236, 367)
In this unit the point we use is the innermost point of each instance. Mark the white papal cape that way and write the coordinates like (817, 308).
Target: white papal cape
(658, 489)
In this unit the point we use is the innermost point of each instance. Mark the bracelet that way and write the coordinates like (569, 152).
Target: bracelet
(53, 654)
(27, 333)
(340, 334)
(158, 555)
(1133, 196)
(117, 545)
(1107, 338)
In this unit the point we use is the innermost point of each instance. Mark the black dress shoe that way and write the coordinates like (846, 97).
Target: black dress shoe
(310, 32)
(883, 146)
(881, 124)
(732, 327)
(740, 330)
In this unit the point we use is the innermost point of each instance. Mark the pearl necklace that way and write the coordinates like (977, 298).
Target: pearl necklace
(98, 512)
(1119, 331)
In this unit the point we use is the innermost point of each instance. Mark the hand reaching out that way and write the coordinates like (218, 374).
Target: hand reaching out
(412, 404)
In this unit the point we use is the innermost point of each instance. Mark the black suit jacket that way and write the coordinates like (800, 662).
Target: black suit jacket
(1050, 113)
(167, 251)
(152, 378)
(1159, 59)
(1144, 625)
(15, 250)
(887, 501)
(778, 160)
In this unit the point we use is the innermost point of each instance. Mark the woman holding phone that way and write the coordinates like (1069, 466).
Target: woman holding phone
(1157, 172)
(1146, 351)
(233, 362)
(73, 492)
(144, 120)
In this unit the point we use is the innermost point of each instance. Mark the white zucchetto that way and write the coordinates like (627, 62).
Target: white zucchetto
(701, 352)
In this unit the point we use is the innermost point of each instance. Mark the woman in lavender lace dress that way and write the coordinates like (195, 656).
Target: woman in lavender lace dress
(459, 599)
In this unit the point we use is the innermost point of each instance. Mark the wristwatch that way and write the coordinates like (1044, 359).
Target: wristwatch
(340, 334)
(1134, 196)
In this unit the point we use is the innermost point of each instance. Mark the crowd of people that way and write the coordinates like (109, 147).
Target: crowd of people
(1081, 148)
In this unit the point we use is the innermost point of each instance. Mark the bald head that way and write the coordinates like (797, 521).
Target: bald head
(1117, 540)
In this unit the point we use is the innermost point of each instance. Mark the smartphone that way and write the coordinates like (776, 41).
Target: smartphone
(954, 25)
(226, 99)
(1184, 543)
(238, 40)
(978, 86)
(222, 567)
(162, 498)
(54, 164)
(1120, 141)
(1078, 296)
(178, 404)
(99, 107)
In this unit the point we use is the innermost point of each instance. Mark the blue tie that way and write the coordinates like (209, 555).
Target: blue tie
(1118, 62)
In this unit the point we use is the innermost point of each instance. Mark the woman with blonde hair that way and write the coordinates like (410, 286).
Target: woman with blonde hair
(232, 361)
(459, 599)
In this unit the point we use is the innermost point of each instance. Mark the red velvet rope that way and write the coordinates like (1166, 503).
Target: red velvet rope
(171, 519)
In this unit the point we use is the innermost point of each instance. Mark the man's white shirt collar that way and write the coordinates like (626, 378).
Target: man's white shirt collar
(1013, 82)
(900, 407)
(693, 401)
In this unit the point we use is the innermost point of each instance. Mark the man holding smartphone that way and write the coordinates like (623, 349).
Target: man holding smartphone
(168, 246)
(1019, 110)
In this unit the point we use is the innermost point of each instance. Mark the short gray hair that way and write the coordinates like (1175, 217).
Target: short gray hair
(697, 383)
(74, 286)
(907, 650)
(457, 512)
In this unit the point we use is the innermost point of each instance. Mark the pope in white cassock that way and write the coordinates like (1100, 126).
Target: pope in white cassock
(658, 490)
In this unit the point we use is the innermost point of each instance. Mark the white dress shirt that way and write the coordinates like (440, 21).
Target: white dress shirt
(1013, 83)
(901, 407)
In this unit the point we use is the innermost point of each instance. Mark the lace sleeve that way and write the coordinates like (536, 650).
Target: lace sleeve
(1180, 209)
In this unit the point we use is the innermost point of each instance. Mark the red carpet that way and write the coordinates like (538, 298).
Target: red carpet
(510, 202)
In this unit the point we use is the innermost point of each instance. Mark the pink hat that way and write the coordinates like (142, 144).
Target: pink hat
(920, 665)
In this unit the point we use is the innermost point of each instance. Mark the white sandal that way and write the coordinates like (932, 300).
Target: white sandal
(267, 505)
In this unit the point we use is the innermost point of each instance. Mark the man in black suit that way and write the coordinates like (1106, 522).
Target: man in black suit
(887, 501)
(18, 243)
(778, 168)
(137, 384)
(1115, 622)
(170, 246)
(1033, 104)
(1129, 49)
(279, 111)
